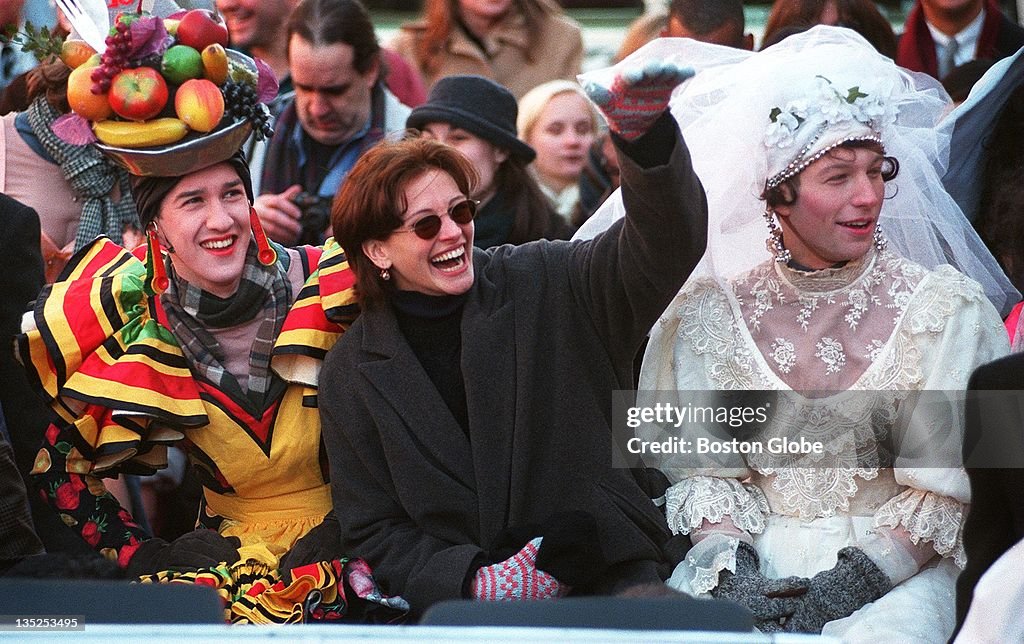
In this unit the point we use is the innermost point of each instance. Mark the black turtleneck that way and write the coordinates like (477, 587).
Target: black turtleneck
(432, 326)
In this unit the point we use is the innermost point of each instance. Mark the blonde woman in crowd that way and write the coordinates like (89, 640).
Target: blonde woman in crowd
(558, 121)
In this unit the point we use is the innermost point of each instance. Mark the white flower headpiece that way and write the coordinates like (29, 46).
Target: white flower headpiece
(821, 121)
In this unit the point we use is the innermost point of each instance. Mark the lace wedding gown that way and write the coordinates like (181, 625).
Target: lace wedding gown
(855, 342)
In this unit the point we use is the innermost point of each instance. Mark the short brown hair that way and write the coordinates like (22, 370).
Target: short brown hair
(372, 199)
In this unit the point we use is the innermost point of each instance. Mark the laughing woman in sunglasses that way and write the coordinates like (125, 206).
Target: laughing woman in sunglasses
(466, 413)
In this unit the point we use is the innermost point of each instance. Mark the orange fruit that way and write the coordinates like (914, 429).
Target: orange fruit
(93, 107)
(75, 52)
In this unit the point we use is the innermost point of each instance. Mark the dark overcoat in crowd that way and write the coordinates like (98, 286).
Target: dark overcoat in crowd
(549, 330)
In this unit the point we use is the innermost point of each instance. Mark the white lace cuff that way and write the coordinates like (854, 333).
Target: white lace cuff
(691, 501)
(698, 574)
(927, 516)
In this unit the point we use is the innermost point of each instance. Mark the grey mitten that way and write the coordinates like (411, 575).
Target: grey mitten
(768, 599)
(853, 582)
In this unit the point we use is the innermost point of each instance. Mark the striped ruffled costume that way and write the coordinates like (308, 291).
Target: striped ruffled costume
(100, 349)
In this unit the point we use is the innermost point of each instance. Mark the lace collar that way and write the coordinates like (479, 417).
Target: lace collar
(827, 280)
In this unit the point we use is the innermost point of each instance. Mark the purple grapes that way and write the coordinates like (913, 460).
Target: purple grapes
(114, 59)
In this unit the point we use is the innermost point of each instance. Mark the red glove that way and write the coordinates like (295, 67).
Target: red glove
(517, 578)
(637, 96)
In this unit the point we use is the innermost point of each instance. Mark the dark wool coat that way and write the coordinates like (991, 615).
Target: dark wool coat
(549, 330)
(23, 414)
(994, 455)
(21, 279)
(1000, 37)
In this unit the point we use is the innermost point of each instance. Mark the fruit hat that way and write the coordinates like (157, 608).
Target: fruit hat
(164, 98)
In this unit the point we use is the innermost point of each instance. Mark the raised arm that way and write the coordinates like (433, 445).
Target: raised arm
(628, 275)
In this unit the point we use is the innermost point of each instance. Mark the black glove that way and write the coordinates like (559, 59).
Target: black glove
(197, 549)
(768, 599)
(322, 543)
(854, 582)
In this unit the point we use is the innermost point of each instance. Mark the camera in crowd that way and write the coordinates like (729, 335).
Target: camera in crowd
(315, 218)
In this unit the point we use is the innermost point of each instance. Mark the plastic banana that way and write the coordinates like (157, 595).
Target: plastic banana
(215, 63)
(131, 134)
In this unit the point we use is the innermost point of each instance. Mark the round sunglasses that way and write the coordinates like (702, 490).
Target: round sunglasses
(428, 227)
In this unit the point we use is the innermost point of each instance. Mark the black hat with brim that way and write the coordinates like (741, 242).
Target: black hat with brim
(475, 104)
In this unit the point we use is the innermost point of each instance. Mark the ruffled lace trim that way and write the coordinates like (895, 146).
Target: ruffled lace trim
(929, 517)
(827, 280)
(707, 568)
(698, 573)
(817, 492)
(931, 315)
(705, 320)
(691, 501)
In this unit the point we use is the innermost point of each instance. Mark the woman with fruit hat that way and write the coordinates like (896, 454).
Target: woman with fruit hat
(214, 346)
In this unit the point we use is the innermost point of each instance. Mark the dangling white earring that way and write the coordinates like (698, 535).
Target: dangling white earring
(385, 274)
(879, 239)
(774, 242)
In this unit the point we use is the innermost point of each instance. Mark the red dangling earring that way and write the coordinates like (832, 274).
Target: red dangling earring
(156, 272)
(266, 253)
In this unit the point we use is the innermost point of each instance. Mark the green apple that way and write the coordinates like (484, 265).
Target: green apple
(181, 63)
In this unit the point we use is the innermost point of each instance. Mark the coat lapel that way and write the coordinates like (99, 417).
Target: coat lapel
(398, 376)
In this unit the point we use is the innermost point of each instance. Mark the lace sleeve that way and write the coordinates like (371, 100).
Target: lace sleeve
(699, 572)
(927, 516)
(691, 501)
(956, 329)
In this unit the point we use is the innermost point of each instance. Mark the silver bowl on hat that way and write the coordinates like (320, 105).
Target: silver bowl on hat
(187, 155)
(194, 152)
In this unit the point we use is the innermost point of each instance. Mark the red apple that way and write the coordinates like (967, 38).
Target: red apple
(138, 94)
(200, 28)
(199, 103)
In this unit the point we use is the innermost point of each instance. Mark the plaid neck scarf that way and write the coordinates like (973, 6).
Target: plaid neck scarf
(91, 175)
(263, 291)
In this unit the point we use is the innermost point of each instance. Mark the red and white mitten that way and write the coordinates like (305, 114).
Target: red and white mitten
(517, 578)
(637, 96)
